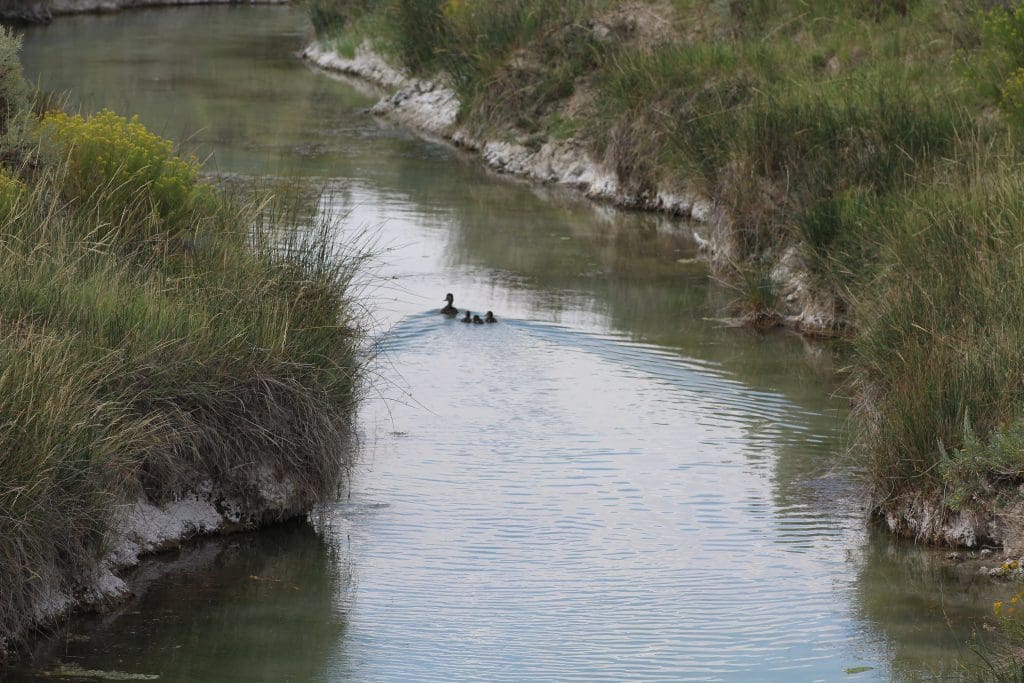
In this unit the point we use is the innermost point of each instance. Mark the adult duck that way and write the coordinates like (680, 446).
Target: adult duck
(448, 308)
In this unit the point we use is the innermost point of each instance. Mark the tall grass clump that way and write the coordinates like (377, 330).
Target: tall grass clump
(512, 61)
(938, 359)
(159, 337)
(421, 31)
(66, 459)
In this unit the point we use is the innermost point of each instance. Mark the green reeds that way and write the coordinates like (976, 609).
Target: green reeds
(938, 361)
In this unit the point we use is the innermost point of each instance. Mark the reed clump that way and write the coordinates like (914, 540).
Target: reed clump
(938, 362)
(159, 335)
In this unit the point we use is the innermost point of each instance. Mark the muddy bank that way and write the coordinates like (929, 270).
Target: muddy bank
(43, 11)
(285, 570)
(432, 108)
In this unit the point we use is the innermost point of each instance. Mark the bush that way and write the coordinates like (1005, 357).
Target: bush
(14, 93)
(999, 70)
(327, 16)
(783, 157)
(981, 470)
(65, 457)
(114, 160)
(1012, 97)
(512, 61)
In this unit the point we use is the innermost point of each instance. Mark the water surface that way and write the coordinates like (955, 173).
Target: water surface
(606, 485)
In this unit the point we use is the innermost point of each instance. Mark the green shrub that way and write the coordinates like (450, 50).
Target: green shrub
(512, 61)
(470, 41)
(1012, 97)
(880, 9)
(779, 155)
(14, 91)
(327, 16)
(981, 470)
(330, 18)
(1004, 30)
(999, 68)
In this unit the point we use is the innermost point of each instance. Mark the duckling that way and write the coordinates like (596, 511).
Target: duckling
(489, 318)
(449, 309)
(467, 319)
(477, 320)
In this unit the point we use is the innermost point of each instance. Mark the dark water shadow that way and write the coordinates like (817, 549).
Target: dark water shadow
(236, 608)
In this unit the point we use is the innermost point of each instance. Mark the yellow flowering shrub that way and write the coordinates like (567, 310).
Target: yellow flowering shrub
(118, 158)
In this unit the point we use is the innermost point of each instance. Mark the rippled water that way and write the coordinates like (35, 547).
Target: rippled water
(606, 485)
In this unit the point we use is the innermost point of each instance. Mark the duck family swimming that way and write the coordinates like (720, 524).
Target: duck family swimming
(450, 311)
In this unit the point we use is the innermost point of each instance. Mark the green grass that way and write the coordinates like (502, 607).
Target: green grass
(157, 333)
(938, 356)
(783, 142)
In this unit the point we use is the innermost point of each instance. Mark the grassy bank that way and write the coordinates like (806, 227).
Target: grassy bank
(879, 141)
(158, 336)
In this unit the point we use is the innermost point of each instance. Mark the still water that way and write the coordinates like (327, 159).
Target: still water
(606, 485)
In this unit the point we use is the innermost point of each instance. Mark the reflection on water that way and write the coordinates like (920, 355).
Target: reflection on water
(604, 486)
(234, 609)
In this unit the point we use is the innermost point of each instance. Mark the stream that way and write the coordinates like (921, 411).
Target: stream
(606, 485)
